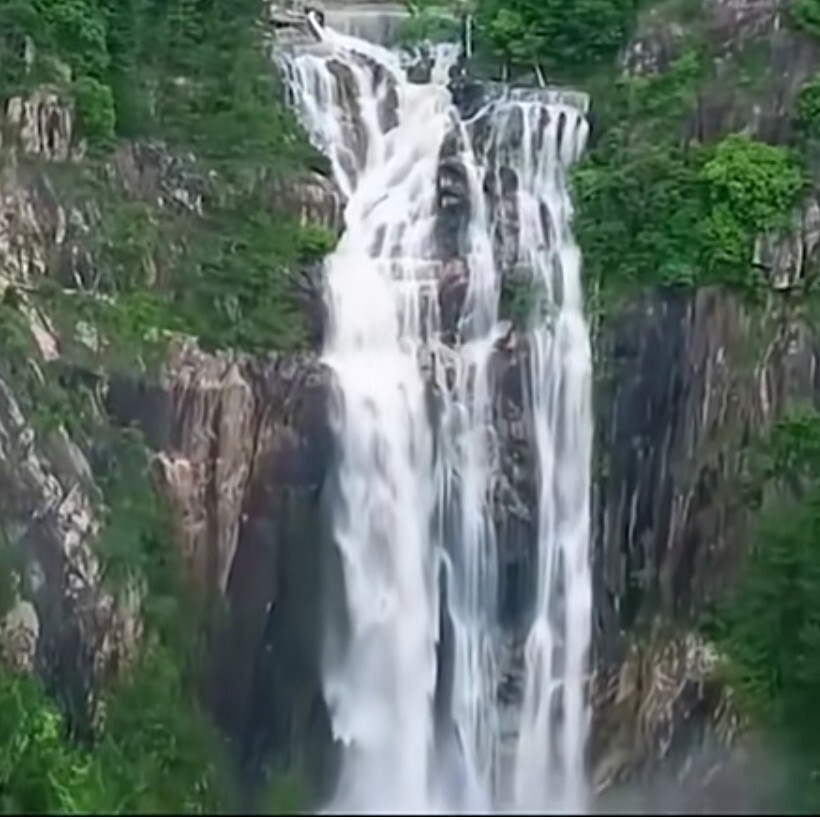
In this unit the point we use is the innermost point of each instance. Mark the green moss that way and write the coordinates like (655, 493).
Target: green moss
(518, 301)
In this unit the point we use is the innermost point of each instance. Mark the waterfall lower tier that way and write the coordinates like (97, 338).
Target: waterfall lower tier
(439, 703)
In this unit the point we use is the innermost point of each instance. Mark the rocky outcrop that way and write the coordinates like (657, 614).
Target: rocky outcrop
(64, 621)
(686, 381)
(789, 258)
(691, 379)
(757, 64)
(41, 125)
(243, 449)
(664, 734)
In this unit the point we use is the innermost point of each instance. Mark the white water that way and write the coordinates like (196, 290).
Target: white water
(415, 487)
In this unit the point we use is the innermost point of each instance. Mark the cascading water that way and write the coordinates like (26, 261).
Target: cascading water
(413, 415)
(549, 765)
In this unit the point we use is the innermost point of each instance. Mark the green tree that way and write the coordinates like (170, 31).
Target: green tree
(751, 188)
(566, 36)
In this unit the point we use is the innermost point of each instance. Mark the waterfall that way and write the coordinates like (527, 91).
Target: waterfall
(413, 413)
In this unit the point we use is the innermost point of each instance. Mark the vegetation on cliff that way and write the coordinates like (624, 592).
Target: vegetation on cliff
(562, 36)
(193, 74)
(183, 93)
(559, 38)
(660, 205)
(655, 208)
(769, 627)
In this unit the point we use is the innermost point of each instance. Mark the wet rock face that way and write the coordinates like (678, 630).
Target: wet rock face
(691, 378)
(347, 94)
(243, 449)
(454, 280)
(452, 199)
(355, 133)
(685, 380)
(515, 490)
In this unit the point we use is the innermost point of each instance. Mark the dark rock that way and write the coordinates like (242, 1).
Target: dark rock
(452, 198)
(244, 448)
(691, 377)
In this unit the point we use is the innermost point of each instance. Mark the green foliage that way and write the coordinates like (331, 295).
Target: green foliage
(429, 24)
(805, 15)
(40, 773)
(239, 289)
(77, 29)
(565, 35)
(18, 21)
(770, 628)
(654, 210)
(155, 755)
(195, 74)
(751, 188)
(638, 219)
(519, 300)
(158, 754)
(153, 751)
(95, 108)
(193, 70)
(285, 795)
(808, 110)
(638, 196)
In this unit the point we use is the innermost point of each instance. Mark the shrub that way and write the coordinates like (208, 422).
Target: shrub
(95, 109)
(751, 188)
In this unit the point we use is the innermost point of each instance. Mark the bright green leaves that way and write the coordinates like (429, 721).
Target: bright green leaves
(751, 189)
(40, 773)
(637, 220)
(156, 753)
(77, 29)
(757, 183)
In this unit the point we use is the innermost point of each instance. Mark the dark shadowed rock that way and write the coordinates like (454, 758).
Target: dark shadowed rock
(243, 448)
